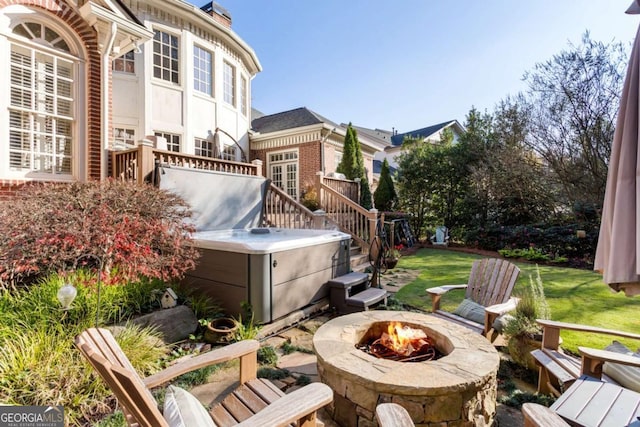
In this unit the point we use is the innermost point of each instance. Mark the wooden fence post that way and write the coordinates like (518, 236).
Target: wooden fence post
(319, 219)
(373, 219)
(258, 164)
(146, 160)
(319, 178)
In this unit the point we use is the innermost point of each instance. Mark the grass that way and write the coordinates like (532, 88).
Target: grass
(574, 295)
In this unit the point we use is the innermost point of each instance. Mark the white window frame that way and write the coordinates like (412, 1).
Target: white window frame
(202, 70)
(174, 140)
(244, 90)
(164, 66)
(203, 147)
(229, 83)
(76, 117)
(124, 136)
(125, 63)
(229, 152)
(289, 157)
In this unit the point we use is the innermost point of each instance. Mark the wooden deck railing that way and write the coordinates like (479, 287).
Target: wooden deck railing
(349, 189)
(137, 164)
(280, 210)
(349, 215)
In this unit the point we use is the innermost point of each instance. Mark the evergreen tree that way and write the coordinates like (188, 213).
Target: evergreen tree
(385, 194)
(352, 166)
(348, 164)
(365, 193)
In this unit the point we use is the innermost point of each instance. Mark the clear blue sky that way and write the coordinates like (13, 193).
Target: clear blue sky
(409, 63)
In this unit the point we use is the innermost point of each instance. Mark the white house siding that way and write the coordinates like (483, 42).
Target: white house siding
(177, 108)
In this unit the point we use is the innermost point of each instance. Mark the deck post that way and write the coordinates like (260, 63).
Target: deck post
(258, 164)
(146, 160)
(319, 217)
(373, 219)
(319, 178)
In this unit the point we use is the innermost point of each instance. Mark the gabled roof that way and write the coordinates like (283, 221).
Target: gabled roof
(423, 133)
(291, 119)
(381, 136)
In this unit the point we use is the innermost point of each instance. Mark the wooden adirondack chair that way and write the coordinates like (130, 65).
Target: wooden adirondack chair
(559, 370)
(441, 236)
(256, 402)
(490, 285)
(393, 415)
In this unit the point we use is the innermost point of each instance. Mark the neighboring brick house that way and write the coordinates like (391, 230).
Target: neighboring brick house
(295, 145)
(82, 77)
(431, 134)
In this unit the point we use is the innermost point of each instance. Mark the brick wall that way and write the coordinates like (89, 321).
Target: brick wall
(88, 39)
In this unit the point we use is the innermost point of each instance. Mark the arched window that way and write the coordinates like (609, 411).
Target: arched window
(42, 101)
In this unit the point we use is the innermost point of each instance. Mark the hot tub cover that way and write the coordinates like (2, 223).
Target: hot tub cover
(218, 200)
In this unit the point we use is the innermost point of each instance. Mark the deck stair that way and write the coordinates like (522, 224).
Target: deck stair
(352, 292)
(358, 260)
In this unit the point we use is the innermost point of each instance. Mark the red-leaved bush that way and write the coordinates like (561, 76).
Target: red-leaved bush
(134, 230)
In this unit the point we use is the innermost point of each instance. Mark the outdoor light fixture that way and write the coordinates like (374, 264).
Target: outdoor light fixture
(66, 294)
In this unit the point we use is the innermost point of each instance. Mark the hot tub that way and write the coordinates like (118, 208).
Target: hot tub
(277, 271)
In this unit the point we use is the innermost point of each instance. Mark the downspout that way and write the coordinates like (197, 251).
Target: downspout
(106, 64)
(322, 141)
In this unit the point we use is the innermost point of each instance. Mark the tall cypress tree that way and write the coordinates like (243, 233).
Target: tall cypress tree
(348, 163)
(352, 166)
(385, 194)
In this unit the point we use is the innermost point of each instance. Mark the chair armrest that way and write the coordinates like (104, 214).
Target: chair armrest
(393, 415)
(292, 407)
(536, 415)
(585, 328)
(593, 360)
(437, 292)
(441, 290)
(505, 307)
(229, 352)
(609, 356)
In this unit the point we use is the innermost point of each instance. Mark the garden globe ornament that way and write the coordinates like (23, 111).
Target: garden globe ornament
(66, 294)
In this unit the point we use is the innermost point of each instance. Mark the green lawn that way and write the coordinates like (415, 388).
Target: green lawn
(574, 295)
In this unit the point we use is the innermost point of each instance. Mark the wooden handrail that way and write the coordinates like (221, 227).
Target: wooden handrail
(350, 216)
(349, 189)
(281, 210)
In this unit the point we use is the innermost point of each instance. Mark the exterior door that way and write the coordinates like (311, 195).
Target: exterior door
(283, 171)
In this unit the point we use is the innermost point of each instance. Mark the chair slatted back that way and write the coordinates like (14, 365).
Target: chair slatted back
(491, 281)
(105, 355)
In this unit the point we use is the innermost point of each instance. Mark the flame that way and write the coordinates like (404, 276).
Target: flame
(403, 339)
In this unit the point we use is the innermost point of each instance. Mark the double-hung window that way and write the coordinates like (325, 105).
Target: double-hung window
(229, 83)
(125, 63)
(202, 70)
(243, 95)
(173, 140)
(165, 57)
(203, 147)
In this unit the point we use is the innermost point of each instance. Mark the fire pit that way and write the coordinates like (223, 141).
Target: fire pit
(397, 341)
(456, 387)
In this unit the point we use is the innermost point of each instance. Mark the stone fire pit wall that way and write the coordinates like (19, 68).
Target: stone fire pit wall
(456, 390)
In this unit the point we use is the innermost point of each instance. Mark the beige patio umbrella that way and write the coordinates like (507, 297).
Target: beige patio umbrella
(618, 251)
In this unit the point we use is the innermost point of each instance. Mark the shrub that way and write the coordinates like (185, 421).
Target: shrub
(128, 230)
(267, 355)
(310, 198)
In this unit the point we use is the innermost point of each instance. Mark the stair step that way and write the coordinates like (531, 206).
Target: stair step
(358, 259)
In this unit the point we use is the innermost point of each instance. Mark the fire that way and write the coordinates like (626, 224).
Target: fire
(404, 340)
